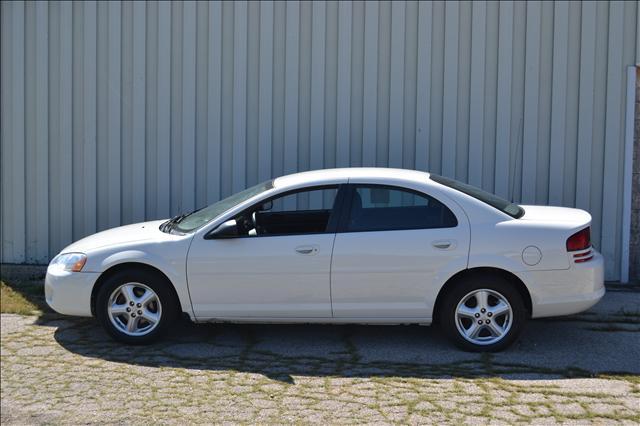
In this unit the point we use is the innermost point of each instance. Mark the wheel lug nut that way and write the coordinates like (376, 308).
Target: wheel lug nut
(488, 321)
(483, 310)
(480, 322)
(489, 314)
(133, 315)
(128, 309)
(131, 303)
(139, 312)
(139, 305)
(477, 315)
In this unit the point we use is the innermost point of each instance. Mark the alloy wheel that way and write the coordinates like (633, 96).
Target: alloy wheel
(134, 309)
(483, 317)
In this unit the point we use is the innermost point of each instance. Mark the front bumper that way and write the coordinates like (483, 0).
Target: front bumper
(566, 292)
(69, 293)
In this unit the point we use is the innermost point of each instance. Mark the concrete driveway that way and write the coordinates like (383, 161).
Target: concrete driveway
(579, 369)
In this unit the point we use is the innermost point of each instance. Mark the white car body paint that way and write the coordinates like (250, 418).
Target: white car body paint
(386, 277)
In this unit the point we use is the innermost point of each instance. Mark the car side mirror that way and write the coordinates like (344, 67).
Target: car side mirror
(228, 229)
(266, 206)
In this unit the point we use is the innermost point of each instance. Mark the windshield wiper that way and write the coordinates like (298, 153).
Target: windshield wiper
(168, 225)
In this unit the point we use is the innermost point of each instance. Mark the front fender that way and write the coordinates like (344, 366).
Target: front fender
(174, 269)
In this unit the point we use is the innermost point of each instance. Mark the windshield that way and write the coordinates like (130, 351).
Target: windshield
(198, 218)
(501, 204)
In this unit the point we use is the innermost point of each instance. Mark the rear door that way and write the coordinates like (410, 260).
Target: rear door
(394, 250)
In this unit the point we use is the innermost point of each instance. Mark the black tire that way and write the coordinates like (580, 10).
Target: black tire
(447, 317)
(156, 282)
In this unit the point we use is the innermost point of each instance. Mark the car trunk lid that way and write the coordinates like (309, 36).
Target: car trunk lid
(571, 218)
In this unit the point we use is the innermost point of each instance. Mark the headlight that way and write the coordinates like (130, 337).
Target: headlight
(73, 262)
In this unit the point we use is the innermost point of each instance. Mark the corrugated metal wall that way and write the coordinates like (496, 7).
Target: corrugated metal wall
(119, 112)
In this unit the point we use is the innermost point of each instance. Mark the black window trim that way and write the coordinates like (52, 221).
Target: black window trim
(348, 200)
(332, 224)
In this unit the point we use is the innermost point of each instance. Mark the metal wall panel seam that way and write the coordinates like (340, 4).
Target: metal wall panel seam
(477, 95)
(343, 106)
(291, 87)
(138, 111)
(450, 101)
(18, 165)
(252, 160)
(90, 115)
(214, 100)
(201, 112)
(585, 109)
(559, 102)
(436, 86)
(318, 61)
(114, 111)
(266, 91)
(188, 115)
(396, 87)
(66, 215)
(163, 122)
(531, 103)
(6, 110)
(503, 116)
(239, 96)
(369, 97)
(423, 83)
(42, 129)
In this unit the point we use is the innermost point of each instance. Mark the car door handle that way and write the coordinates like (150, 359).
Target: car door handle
(309, 250)
(444, 244)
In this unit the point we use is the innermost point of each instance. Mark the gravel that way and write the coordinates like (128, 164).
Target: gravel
(580, 369)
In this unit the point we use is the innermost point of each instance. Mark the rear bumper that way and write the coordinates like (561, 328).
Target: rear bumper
(566, 292)
(69, 293)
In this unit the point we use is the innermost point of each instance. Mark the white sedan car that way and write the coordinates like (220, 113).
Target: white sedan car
(358, 245)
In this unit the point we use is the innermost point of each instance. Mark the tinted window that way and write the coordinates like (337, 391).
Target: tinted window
(303, 212)
(494, 201)
(379, 208)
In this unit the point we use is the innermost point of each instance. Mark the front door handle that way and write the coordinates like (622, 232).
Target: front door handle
(308, 250)
(444, 244)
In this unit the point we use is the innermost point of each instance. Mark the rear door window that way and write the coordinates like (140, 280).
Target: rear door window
(385, 208)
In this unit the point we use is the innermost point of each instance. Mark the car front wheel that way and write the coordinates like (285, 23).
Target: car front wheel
(483, 314)
(135, 307)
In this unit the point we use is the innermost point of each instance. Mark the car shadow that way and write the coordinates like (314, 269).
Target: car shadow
(598, 342)
(546, 350)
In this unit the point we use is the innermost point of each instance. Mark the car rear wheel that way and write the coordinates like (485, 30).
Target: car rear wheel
(136, 307)
(483, 314)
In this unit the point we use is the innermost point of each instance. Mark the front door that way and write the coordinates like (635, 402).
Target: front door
(396, 249)
(277, 267)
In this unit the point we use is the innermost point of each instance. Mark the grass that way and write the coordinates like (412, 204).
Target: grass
(23, 297)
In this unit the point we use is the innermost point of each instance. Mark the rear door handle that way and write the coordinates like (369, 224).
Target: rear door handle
(308, 250)
(444, 244)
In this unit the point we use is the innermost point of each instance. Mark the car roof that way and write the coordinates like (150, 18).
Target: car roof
(329, 176)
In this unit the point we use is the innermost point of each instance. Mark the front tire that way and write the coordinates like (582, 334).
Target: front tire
(482, 314)
(136, 307)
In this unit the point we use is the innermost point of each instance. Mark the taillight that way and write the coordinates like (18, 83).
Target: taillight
(581, 240)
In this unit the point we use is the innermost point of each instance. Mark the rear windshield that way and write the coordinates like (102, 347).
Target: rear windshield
(501, 204)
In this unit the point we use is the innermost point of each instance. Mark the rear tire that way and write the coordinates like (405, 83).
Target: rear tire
(482, 313)
(136, 307)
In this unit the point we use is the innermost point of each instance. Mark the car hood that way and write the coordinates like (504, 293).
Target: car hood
(120, 236)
